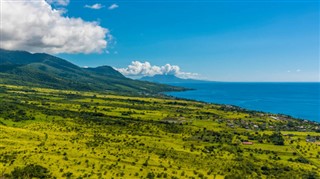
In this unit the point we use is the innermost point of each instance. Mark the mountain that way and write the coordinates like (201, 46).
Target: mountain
(168, 79)
(44, 70)
(105, 71)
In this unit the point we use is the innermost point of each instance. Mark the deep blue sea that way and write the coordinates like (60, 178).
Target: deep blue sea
(300, 100)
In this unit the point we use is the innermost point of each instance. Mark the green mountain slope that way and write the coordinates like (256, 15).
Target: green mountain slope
(105, 71)
(43, 70)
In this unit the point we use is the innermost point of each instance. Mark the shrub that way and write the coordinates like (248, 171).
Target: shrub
(150, 175)
(301, 160)
(277, 138)
(68, 174)
(30, 171)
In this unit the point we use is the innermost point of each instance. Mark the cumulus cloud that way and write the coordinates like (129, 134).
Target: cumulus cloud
(35, 26)
(94, 6)
(59, 2)
(138, 69)
(113, 6)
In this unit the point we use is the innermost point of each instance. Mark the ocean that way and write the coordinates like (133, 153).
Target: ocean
(299, 100)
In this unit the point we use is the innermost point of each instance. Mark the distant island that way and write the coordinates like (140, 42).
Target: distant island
(167, 79)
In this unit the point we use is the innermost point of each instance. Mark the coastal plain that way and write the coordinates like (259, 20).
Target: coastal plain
(49, 133)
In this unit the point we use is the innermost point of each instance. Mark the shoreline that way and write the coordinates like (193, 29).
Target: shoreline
(172, 94)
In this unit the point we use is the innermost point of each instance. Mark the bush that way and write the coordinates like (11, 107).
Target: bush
(301, 160)
(277, 138)
(311, 175)
(67, 175)
(234, 176)
(30, 171)
(150, 175)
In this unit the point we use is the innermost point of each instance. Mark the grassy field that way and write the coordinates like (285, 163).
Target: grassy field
(49, 133)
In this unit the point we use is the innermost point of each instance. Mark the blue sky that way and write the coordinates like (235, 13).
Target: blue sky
(219, 40)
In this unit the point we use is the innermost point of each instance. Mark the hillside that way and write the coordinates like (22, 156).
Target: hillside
(168, 79)
(43, 70)
(48, 133)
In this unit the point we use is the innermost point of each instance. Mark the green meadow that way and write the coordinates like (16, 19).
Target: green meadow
(47, 133)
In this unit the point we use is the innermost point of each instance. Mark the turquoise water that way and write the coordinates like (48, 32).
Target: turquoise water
(300, 100)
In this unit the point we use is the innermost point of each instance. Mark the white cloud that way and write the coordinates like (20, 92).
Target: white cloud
(59, 2)
(138, 69)
(94, 6)
(113, 6)
(35, 26)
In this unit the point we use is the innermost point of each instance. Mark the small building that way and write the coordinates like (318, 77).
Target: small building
(311, 139)
(317, 143)
(247, 143)
(174, 120)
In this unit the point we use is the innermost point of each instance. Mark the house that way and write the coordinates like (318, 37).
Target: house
(174, 120)
(247, 143)
(311, 139)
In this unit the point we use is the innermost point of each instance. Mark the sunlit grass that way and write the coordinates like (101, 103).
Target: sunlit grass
(96, 135)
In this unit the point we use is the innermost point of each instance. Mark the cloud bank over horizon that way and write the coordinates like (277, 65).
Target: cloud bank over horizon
(37, 27)
(139, 69)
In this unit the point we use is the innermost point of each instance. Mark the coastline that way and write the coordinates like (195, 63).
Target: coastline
(223, 98)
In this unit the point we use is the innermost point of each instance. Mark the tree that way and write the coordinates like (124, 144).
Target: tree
(30, 171)
(277, 139)
(150, 175)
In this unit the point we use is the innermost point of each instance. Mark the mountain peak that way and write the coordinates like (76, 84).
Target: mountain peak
(105, 70)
